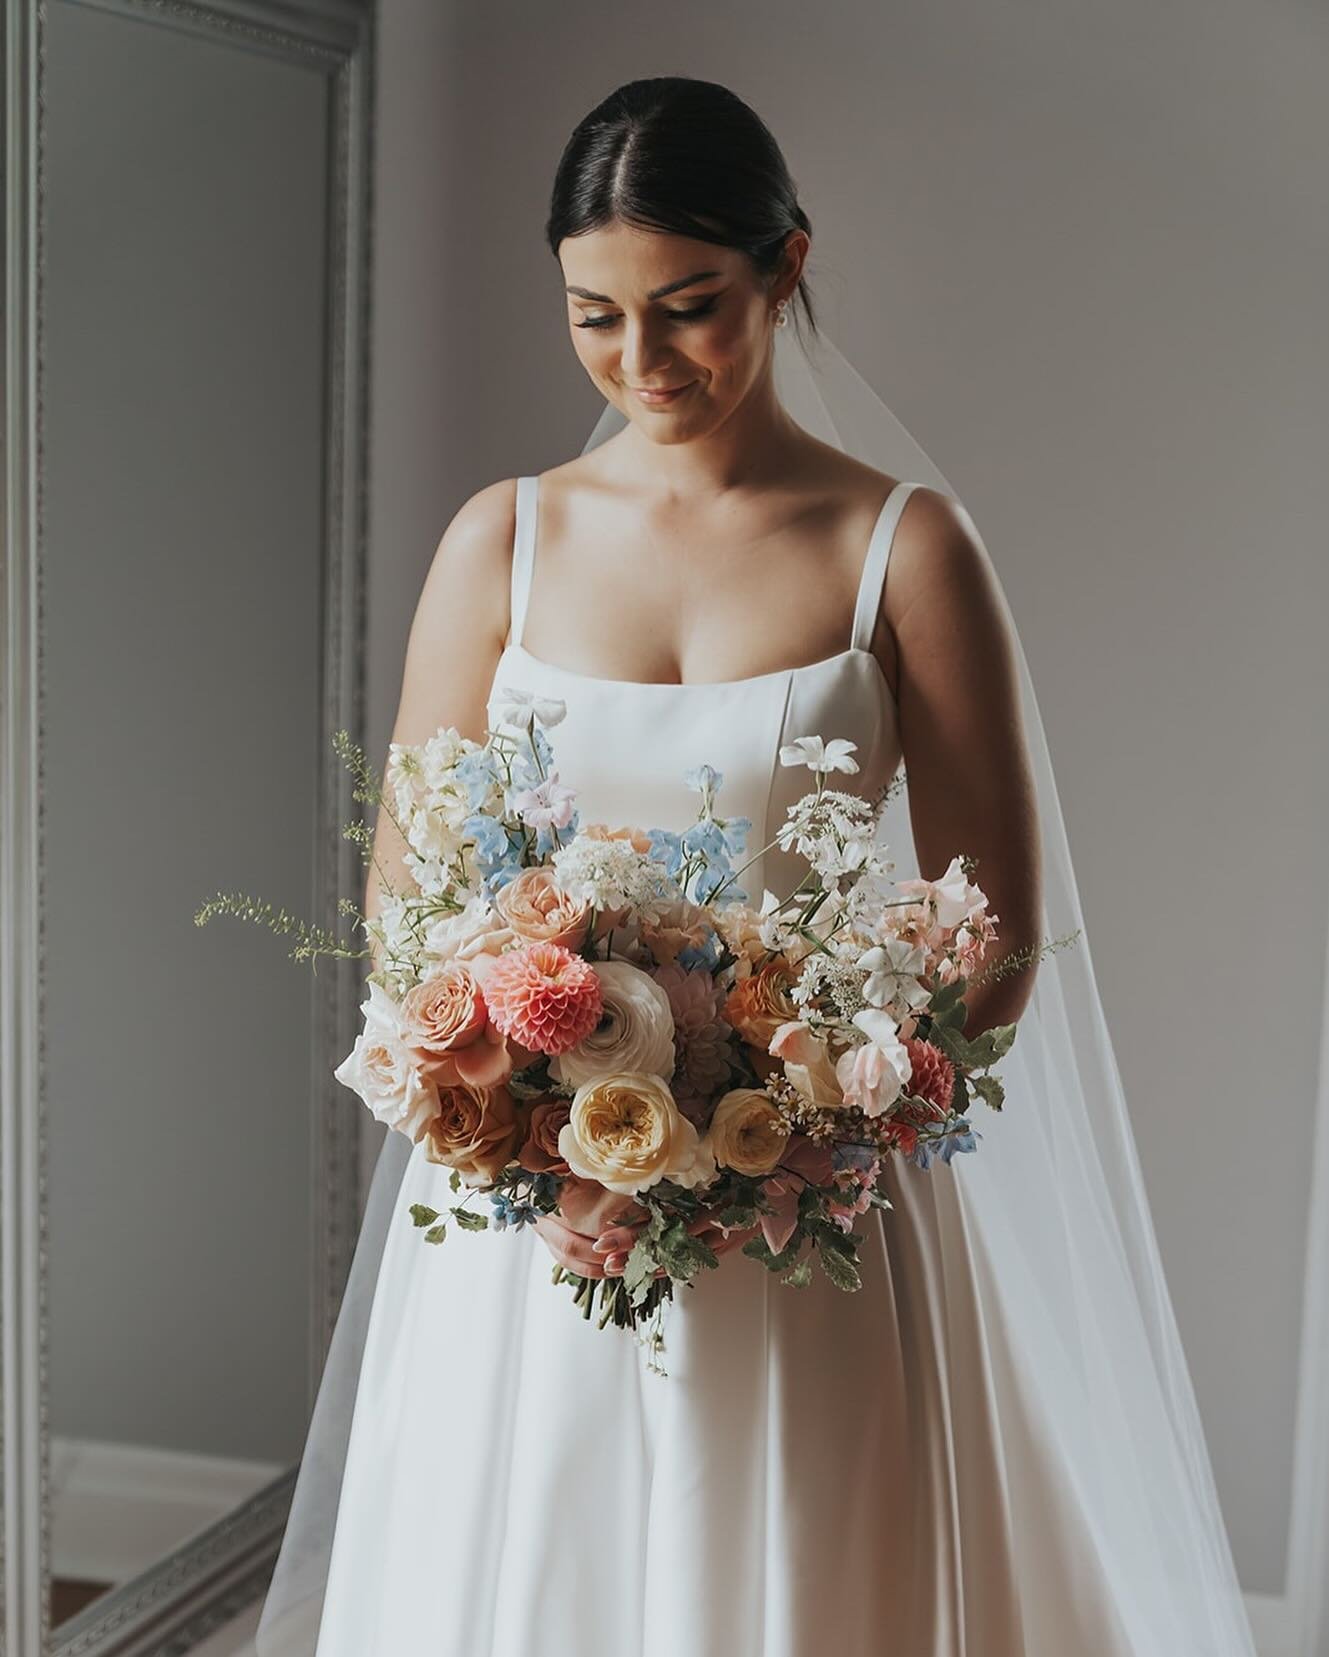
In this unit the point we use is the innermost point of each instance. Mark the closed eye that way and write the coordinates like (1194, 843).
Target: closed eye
(703, 309)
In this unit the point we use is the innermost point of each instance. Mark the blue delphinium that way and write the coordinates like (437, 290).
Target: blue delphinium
(858, 1157)
(477, 772)
(964, 1138)
(496, 852)
(666, 848)
(509, 1212)
(704, 956)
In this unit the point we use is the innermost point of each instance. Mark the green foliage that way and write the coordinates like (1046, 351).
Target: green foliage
(436, 1234)
(681, 1254)
(842, 1269)
(639, 1271)
(469, 1220)
(759, 1249)
(422, 1214)
(312, 941)
(990, 1090)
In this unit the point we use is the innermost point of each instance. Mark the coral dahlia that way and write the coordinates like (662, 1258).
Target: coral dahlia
(932, 1079)
(544, 996)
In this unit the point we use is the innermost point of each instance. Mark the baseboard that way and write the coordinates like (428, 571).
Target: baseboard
(116, 1509)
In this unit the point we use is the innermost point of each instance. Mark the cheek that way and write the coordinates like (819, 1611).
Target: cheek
(593, 349)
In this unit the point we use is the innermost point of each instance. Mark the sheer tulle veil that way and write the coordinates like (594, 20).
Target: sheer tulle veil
(1087, 1368)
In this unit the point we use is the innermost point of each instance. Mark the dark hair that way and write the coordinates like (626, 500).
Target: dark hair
(682, 156)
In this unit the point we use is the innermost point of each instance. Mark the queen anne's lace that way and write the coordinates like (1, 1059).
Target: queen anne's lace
(611, 874)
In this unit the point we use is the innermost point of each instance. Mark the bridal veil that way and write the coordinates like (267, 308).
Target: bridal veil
(1087, 1361)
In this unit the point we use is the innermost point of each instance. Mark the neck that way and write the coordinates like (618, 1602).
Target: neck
(754, 446)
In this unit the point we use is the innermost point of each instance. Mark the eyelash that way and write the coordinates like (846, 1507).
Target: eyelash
(696, 311)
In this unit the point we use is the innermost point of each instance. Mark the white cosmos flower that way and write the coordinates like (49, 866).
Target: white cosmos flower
(513, 705)
(818, 755)
(893, 969)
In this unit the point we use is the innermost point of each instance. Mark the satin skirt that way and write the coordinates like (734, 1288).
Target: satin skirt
(817, 1466)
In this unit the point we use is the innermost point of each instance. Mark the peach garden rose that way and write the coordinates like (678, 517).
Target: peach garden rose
(476, 1131)
(536, 909)
(445, 1022)
(758, 1005)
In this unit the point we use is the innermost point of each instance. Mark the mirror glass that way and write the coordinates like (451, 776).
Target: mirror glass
(183, 509)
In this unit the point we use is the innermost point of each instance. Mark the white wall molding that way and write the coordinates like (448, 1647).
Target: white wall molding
(116, 1509)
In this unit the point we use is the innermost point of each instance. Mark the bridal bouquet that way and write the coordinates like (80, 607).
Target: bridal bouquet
(591, 1021)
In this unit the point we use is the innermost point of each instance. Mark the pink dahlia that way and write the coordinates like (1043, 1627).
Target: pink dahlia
(543, 996)
(932, 1079)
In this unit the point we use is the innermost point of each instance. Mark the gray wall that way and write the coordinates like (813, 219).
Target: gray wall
(1081, 250)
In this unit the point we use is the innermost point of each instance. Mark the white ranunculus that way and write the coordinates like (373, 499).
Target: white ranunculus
(382, 1070)
(635, 1032)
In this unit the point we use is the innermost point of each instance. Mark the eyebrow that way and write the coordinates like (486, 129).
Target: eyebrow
(655, 293)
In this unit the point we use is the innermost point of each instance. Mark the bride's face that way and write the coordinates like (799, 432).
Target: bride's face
(648, 310)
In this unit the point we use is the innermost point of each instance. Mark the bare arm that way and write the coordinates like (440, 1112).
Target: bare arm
(971, 785)
(456, 636)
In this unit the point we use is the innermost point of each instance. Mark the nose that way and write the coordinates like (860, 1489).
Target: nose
(641, 358)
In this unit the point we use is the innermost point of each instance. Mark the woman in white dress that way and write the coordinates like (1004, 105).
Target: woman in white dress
(901, 1469)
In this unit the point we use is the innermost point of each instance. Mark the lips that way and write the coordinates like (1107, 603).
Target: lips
(665, 396)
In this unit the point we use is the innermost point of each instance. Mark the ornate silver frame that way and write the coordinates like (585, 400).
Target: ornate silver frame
(216, 1574)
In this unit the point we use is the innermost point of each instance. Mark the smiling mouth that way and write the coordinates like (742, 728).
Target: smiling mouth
(654, 394)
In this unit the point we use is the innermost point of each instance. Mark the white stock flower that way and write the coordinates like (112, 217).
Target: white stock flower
(635, 1032)
(818, 755)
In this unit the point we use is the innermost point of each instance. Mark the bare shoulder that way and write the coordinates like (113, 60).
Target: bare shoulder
(938, 564)
(461, 618)
(475, 548)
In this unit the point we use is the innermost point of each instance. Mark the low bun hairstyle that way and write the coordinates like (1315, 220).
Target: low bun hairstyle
(687, 157)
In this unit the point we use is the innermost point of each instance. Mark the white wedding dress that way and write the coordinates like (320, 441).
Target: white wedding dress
(819, 1470)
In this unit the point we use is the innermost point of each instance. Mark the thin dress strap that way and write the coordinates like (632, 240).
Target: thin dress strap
(874, 565)
(523, 554)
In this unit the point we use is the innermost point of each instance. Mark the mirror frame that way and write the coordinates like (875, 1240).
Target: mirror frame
(218, 1572)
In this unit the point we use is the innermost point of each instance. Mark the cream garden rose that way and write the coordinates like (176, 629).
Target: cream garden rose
(382, 1069)
(635, 1032)
(747, 1132)
(626, 1131)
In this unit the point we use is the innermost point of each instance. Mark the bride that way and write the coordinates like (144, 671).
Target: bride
(992, 1449)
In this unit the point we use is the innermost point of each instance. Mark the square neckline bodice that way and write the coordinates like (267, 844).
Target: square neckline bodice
(867, 599)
